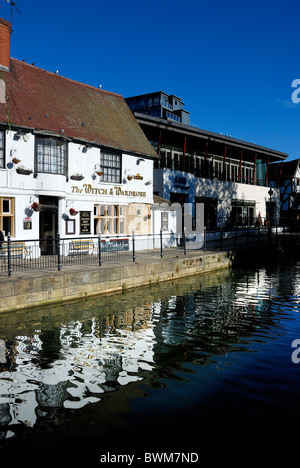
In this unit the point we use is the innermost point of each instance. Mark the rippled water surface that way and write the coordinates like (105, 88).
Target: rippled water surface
(202, 365)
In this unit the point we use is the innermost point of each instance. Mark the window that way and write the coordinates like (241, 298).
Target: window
(218, 168)
(51, 156)
(109, 219)
(173, 116)
(249, 173)
(2, 140)
(111, 165)
(242, 213)
(7, 209)
(234, 173)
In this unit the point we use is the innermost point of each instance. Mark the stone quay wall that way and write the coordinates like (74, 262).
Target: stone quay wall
(38, 288)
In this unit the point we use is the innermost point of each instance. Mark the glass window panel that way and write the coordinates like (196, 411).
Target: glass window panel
(110, 221)
(6, 206)
(111, 164)
(51, 156)
(7, 225)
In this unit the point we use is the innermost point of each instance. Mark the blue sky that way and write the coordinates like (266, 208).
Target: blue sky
(231, 62)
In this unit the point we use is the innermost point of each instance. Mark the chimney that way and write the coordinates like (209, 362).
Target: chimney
(5, 30)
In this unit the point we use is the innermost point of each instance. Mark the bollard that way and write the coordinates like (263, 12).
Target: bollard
(58, 252)
(133, 247)
(99, 249)
(8, 254)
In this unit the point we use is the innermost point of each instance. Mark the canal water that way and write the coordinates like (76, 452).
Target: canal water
(207, 366)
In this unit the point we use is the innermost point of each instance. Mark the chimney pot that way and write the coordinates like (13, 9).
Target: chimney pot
(5, 31)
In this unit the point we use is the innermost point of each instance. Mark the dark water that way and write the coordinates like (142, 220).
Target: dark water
(202, 365)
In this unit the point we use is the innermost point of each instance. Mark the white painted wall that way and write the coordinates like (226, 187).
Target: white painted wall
(81, 195)
(224, 192)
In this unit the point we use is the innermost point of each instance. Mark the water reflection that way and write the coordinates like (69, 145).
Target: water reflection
(62, 359)
(72, 365)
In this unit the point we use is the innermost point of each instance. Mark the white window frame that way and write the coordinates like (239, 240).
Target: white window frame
(111, 165)
(51, 156)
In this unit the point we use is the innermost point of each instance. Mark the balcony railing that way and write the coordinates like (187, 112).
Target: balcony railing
(207, 170)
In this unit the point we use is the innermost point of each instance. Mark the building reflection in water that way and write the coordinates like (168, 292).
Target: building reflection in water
(73, 365)
(71, 362)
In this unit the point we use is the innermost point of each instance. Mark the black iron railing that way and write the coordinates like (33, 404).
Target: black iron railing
(60, 253)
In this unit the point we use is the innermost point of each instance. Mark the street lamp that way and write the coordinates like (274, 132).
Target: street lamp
(270, 192)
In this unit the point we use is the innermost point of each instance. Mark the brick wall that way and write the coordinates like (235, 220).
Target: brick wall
(5, 30)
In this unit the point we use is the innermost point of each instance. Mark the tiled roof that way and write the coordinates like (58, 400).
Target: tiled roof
(40, 100)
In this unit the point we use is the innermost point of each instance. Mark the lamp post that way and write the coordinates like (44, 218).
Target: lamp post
(270, 192)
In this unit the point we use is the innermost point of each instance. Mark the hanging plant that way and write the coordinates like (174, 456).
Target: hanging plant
(36, 206)
(22, 170)
(73, 212)
(99, 173)
(129, 177)
(77, 177)
(15, 160)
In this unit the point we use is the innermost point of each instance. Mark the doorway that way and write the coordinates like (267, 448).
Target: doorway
(48, 224)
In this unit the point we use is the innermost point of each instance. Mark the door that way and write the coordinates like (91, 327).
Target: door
(48, 224)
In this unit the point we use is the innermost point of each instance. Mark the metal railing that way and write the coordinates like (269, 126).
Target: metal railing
(59, 253)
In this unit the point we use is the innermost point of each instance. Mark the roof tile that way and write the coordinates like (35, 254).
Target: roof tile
(42, 100)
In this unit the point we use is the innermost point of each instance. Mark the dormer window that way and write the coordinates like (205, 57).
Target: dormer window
(51, 156)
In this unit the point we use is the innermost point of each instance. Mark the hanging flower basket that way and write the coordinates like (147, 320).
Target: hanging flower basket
(15, 160)
(99, 173)
(73, 212)
(36, 206)
(77, 177)
(129, 177)
(23, 171)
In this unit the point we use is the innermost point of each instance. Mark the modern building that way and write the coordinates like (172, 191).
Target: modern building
(159, 104)
(228, 175)
(73, 159)
(285, 176)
